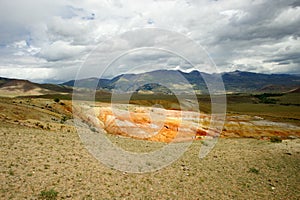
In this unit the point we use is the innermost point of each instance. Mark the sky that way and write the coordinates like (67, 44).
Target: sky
(50, 40)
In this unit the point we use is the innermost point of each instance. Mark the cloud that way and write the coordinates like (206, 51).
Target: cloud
(51, 37)
(61, 50)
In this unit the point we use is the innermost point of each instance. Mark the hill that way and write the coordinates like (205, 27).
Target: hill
(17, 87)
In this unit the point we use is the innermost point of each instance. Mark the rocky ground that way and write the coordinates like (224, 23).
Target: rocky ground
(157, 124)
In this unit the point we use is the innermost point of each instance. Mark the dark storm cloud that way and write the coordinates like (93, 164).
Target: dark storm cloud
(287, 59)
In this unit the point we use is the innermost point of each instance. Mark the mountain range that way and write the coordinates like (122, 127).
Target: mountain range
(160, 81)
(237, 81)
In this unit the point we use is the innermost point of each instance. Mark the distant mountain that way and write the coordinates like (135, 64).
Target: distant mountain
(237, 81)
(160, 81)
(17, 87)
(249, 81)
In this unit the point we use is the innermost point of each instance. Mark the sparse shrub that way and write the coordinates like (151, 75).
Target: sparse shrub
(285, 104)
(275, 139)
(62, 103)
(204, 143)
(264, 98)
(11, 172)
(48, 195)
(254, 170)
(63, 119)
(93, 129)
(56, 100)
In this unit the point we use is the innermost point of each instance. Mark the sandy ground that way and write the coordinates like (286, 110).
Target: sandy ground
(33, 160)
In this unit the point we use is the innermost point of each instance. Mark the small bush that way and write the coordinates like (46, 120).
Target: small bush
(63, 119)
(48, 195)
(56, 100)
(93, 129)
(204, 143)
(11, 172)
(254, 170)
(275, 139)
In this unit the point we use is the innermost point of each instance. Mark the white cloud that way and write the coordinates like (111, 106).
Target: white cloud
(27, 73)
(61, 50)
(288, 16)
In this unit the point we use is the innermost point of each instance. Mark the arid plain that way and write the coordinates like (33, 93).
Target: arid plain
(42, 156)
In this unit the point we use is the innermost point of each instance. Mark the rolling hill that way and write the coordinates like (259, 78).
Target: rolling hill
(17, 87)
